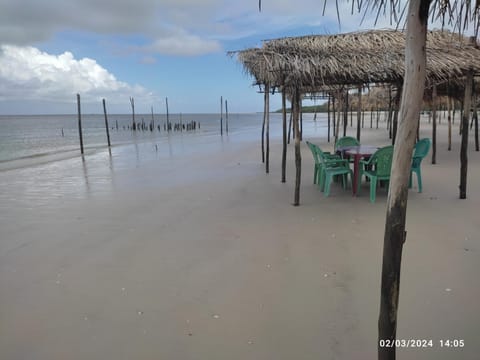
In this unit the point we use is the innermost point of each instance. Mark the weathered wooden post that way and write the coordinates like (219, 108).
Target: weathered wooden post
(359, 112)
(152, 124)
(226, 116)
(395, 115)
(298, 156)
(132, 104)
(449, 103)
(475, 118)
(80, 124)
(328, 118)
(267, 125)
(221, 115)
(168, 115)
(464, 146)
(345, 114)
(434, 124)
(284, 135)
(106, 121)
(263, 123)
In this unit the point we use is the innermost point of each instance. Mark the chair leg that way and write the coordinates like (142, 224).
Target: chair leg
(419, 180)
(328, 181)
(359, 182)
(321, 180)
(373, 190)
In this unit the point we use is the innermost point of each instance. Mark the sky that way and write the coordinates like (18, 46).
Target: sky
(50, 50)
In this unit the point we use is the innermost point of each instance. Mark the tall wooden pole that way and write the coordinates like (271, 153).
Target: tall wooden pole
(449, 103)
(168, 118)
(434, 125)
(106, 122)
(464, 146)
(226, 116)
(267, 125)
(221, 115)
(359, 112)
(345, 114)
(328, 118)
(475, 118)
(80, 124)
(298, 155)
(263, 124)
(284, 133)
(132, 104)
(395, 115)
(395, 235)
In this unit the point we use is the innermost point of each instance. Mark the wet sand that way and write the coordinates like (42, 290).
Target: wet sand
(204, 257)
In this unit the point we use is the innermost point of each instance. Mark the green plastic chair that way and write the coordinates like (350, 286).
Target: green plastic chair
(329, 168)
(318, 164)
(346, 141)
(376, 168)
(422, 147)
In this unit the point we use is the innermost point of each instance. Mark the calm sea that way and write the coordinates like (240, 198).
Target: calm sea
(29, 140)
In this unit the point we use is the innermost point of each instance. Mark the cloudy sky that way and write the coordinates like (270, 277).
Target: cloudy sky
(51, 50)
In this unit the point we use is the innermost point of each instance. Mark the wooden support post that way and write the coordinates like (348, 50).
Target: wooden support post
(226, 116)
(334, 115)
(106, 122)
(359, 112)
(263, 124)
(464, 146)
(168, 115)
(290, 123)
(371, 118)
(390, 112)
(475, 118)
(395, 116)
(132, 104)
(221, 115)
(80, 124)
(152, 124)
(267, 125)
(339, 112)
(449, 102)
(284, 135)
(434, 124)
(328, 118)
(298, 156)
(345, 115)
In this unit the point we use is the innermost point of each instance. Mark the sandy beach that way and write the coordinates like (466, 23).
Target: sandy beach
(203, 257)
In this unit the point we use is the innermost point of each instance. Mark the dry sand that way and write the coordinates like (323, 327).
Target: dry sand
(209, 260)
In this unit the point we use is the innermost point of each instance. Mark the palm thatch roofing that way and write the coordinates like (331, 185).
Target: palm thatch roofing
(317, 62)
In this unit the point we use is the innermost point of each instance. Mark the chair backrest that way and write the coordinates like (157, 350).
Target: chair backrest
(347, 141)
(314, 151)
(422, 147)
(382, 159)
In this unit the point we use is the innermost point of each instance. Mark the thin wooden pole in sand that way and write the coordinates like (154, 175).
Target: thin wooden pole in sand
(132, 104)
(328, 118)
(475, 117)
(226, 116)
(221, 115)
(334, 115)
(339, 113)
(298, 155)
(464, 145)
(449, 104)
(263, 124)
(359, 112)
(284, 137)
(290, 124)
(395, 114)
(345, 115)
(434, 124)
(267, 125)
(80, 124)
(106, 122)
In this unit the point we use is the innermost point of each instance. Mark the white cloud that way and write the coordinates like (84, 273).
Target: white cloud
(182, 43)
(27, 73)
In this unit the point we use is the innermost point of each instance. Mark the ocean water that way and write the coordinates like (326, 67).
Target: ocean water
(30, 140)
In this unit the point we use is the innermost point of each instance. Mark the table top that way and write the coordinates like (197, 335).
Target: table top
(358, 150)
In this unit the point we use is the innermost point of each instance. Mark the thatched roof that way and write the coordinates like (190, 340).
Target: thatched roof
(320, 61)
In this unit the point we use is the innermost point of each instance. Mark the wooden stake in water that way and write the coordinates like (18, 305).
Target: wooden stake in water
(221, 115)
(226, 116)
(80, 124)
(168, 121)
(106, 122)
(132, 104)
